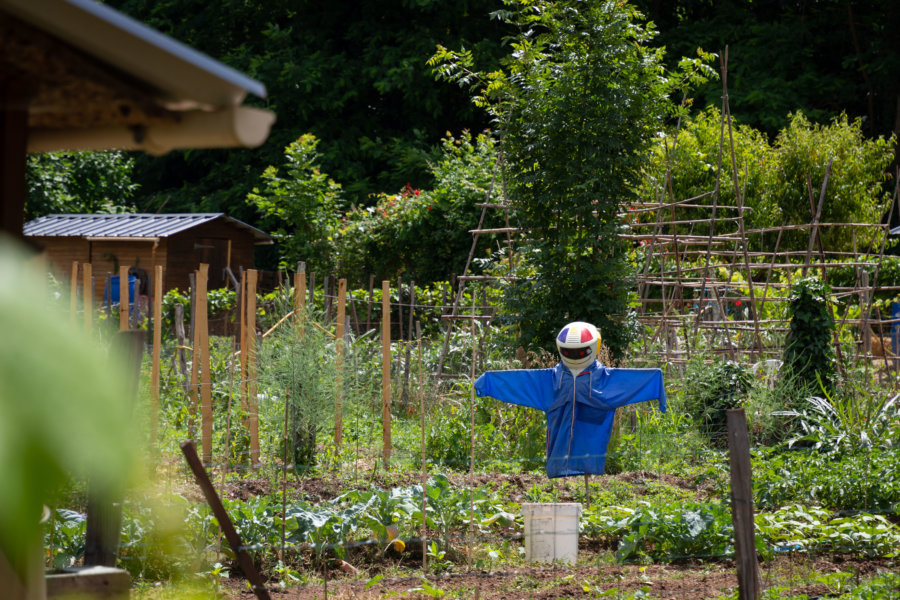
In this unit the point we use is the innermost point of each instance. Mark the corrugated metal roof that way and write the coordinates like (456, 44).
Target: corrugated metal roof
(130, 225)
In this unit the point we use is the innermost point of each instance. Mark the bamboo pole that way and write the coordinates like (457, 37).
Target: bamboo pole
(472, 437)
(339, 364)
(386, 372)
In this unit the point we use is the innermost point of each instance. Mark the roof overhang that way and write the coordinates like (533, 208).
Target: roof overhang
(93, 78)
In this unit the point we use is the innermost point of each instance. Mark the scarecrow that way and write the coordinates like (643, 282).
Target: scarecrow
(579, 396)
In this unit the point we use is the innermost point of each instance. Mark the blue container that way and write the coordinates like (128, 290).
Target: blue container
(111, 294)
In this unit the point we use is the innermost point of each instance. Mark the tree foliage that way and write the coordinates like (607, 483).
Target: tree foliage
(822, 58)
(424, 233)
(300, 205)
(775, 178)
(352, 74)
(81, 182)
(578, 103)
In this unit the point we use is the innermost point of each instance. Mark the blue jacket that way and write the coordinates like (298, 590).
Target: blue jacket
(580, 409)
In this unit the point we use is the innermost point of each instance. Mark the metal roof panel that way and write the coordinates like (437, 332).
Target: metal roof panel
(130, 225)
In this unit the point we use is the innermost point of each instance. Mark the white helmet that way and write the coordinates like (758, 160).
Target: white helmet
(578, 344)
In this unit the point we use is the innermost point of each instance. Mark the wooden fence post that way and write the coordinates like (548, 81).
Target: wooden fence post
(123, 298)
(195, 361)
(749, 583)
(253, 405)
(339, 363)
(87, 294)
(157, 343)
(386, 371)
(104, 511)
(201, 354)
(300, 291)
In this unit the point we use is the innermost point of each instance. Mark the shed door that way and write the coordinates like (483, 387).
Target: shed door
(214, 252)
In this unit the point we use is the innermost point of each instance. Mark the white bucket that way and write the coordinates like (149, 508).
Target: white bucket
(551, 532)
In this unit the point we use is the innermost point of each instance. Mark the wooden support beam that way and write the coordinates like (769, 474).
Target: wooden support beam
(13, 144)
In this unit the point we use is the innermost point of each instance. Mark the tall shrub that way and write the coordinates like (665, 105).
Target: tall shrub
(809, 362)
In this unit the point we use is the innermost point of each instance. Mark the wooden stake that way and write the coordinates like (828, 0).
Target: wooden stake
(472, 435)
(124, 297)
(300, 292)
(73, 298)
(339, 364)
(195, 359)
(87, 293)
(386, 372)
(231, 534)
(284, 462)
(228, 409)
(749, 584)
(251, 367)
(424, 460)
(157, 344)
(202, 355)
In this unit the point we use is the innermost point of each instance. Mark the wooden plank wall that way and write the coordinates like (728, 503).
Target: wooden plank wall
(207, 243)
(128, 254)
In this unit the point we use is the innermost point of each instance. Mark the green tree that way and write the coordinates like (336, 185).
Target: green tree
(578, 103)
(81, 182)
(855, 192)
(773, 177)
(352, 74)
(300, 206)
(822, 58)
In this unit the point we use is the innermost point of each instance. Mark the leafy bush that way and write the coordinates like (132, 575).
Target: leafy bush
(715, 389)
(664, 533)
(799, 527)
(773, 177)
(424, 233)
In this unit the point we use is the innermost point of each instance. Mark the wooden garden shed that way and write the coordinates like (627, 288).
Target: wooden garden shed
(178, 242)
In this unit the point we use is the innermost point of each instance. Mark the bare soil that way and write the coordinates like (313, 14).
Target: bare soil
(689, 581)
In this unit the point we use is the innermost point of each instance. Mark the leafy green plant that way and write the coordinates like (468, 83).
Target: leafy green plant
(848, 422)
(714, 390)
(840, 482)
(301, 205)
(809, 353)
